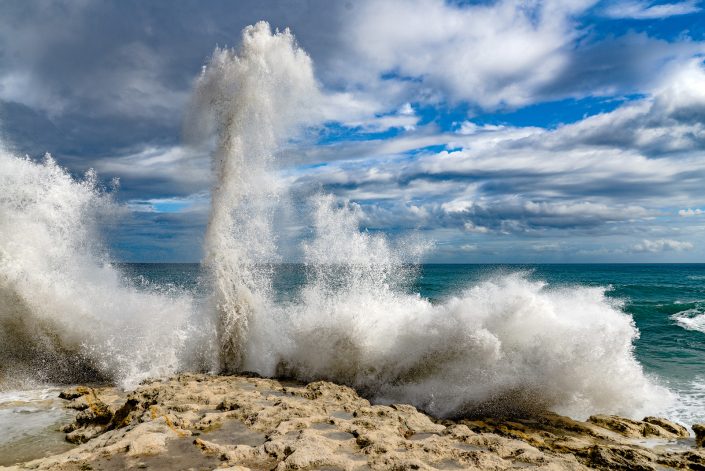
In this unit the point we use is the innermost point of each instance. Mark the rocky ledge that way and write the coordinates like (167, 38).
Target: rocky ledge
(239, 423)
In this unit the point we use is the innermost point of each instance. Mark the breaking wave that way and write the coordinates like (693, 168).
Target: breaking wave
(691, 319)
(66, 314)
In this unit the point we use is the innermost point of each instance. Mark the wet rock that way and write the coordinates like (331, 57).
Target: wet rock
(74, 392)
(650, 427)
(97, 412)
(676, 430)
(125, 414)
(699, 430)
(82, 435)
(620, 457)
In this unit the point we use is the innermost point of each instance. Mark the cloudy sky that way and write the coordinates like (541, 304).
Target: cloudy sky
(561, 131)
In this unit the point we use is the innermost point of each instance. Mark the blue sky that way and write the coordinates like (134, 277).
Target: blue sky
(563, 131)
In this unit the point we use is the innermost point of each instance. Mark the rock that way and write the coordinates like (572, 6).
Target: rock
(97, 413)
(650, 427)
(620, 457)
(246, 422)
(82, 435)
(75, 392)
(677, 430)
(147, 444)
(699, 430)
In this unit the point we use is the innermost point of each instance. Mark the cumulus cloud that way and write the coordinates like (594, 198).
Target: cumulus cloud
(493, 54)
(670, 119)
(159, 171)
(514, 215)
(500, 54)
(662, 245)
(404, 118)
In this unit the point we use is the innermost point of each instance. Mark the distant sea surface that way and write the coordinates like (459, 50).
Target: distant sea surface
(666, 301)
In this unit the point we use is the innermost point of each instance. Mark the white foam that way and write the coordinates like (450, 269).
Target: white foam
(503, 344)
(691, 319)
(66, 314)
(687, 409)
(250, 98)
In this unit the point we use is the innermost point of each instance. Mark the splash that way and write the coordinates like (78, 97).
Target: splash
(505, 344)
(66, 314)
(250, 98)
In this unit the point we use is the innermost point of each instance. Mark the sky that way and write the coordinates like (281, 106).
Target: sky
(500, 131)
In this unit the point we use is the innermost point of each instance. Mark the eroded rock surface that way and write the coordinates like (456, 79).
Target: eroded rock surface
(239, 423)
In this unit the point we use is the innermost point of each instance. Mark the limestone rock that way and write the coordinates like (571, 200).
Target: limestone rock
(247, 422)
(647, 428)
(147, 444)
(677, 430)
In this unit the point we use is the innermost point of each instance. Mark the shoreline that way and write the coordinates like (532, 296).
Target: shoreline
(201, 421)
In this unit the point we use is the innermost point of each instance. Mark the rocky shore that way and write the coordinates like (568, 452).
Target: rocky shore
(239, 422)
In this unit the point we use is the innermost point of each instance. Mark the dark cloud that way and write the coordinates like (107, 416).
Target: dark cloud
(96, 79)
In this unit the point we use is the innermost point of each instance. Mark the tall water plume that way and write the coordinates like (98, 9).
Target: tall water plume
(250, 98)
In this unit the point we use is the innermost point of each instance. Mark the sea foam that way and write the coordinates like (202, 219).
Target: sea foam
(691, 319)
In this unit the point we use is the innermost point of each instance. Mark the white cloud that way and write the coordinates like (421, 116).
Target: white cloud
(468, 127)
(475, 229)
(405, 118)
(546, 247)
(469, 247)
(662, 245)
(643, 10)
(490, 54)
(23, 87)
(585, 209)
(457, 206)
(691, 212)
(670, 119)
(185, 170)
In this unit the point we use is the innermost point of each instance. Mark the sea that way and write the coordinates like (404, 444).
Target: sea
(665, 301)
